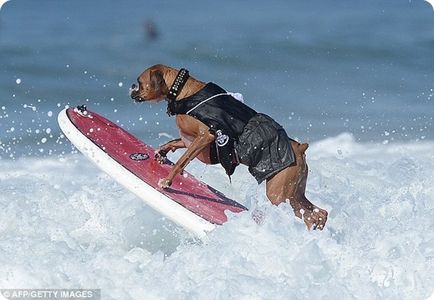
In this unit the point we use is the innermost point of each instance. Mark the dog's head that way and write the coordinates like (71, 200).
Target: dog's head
(150, 85)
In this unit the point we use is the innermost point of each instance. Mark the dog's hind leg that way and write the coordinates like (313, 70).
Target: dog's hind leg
(313, 216)
(289, 185)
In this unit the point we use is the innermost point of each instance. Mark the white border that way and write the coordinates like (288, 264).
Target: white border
(147, 193)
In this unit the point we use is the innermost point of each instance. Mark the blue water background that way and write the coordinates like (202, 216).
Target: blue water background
(319, 67)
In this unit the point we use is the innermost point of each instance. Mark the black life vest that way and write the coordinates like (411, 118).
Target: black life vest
(222, 113)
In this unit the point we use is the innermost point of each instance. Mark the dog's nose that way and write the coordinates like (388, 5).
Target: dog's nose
(134, 86)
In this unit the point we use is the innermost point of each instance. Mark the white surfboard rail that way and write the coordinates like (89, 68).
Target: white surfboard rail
(158, 201)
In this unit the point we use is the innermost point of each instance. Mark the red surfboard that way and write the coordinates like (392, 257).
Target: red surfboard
(131, 162)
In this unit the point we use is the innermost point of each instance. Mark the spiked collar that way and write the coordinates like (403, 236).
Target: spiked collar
(177, 85)
(176, 88)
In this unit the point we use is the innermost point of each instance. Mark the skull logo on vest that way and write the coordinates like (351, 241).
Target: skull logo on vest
(221, 139)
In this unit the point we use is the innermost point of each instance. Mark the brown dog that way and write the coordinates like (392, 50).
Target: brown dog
(285, 175)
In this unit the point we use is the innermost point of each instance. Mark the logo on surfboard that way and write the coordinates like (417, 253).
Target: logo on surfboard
(139, 156)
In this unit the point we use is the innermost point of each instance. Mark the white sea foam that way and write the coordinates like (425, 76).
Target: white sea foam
(65, 224)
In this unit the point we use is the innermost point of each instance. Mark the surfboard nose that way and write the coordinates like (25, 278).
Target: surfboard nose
(133, 89)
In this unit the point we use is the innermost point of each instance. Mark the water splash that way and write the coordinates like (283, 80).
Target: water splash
(87, 231)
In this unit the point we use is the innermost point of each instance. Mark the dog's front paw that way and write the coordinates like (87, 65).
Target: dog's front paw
(164, 183)
(160, 155)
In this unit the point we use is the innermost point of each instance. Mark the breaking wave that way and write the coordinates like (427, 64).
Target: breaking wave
(65, 224)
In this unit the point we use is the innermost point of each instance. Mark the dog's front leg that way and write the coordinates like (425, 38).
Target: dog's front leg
(199, 143)
(173, 145)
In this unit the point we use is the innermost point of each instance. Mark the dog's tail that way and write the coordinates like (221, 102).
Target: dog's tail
(303, 147)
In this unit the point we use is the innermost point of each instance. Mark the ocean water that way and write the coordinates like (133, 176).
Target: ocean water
(355, 79)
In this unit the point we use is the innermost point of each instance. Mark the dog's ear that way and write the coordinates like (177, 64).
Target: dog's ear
(157, 83)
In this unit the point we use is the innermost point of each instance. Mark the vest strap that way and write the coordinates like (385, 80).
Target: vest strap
(206, 100)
